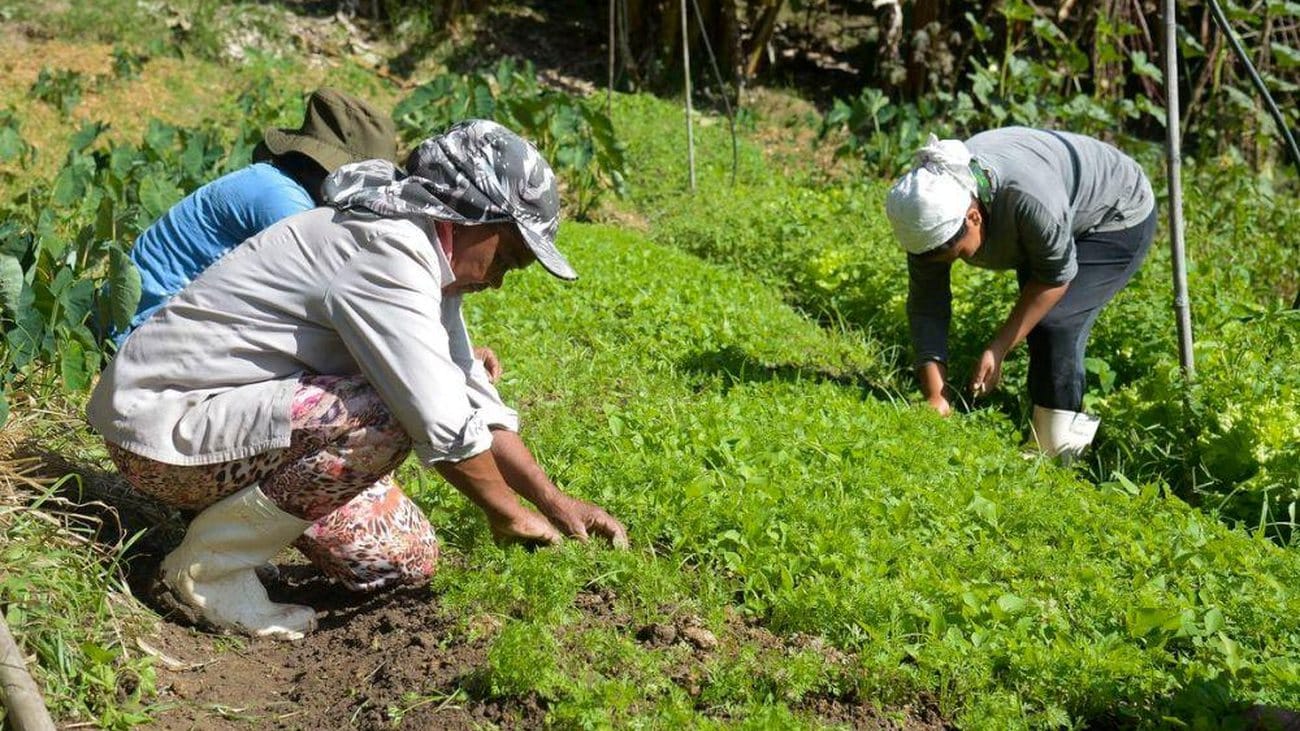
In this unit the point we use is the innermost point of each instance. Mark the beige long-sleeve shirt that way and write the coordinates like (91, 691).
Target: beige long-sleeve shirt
(210, 377)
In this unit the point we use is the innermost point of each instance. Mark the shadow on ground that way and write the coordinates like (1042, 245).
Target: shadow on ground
(733, 366)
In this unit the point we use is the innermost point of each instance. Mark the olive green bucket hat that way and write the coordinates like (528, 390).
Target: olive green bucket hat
(337, 129)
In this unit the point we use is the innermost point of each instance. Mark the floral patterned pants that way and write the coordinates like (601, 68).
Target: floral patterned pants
(336, 472)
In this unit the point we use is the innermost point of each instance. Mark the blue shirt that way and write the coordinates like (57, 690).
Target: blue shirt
(205, 225)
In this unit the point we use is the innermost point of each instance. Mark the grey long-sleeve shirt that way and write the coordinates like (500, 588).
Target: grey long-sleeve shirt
(1047, 189)
(211, 376)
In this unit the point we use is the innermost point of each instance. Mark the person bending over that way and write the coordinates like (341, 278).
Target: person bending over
(1072, 216)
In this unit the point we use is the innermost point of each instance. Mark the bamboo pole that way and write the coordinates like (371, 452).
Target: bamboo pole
(24, 708)
(686, 76)
(1182, 306)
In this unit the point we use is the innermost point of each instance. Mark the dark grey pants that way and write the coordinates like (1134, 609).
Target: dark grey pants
(1107, 261)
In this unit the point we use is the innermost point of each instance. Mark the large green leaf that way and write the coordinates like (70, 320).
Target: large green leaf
(77, 364)
(157, 194)
(11, 285)
(12, 145)
(70, 184)
(124, 288)
(76, 301)
(159, 138)
(23, 340)
(86, 136)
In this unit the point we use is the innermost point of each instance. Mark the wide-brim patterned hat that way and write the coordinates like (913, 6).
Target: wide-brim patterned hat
(480, 167)
(477, 172)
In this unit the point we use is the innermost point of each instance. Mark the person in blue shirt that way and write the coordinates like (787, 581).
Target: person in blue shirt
(285, 178)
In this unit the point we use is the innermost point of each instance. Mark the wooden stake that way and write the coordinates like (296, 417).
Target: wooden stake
(24, 708)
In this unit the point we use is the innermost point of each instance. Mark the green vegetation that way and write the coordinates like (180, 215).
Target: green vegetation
(62, 598)
(573, 133)
(829, 248)
(738, 441)
(732, 383)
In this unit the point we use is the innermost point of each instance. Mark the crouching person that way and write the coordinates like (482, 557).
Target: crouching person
(277, 393)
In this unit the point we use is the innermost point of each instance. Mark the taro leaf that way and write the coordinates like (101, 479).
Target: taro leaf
(77, 301)
(76, 365)
(105, 225)
(4, 408)
(52, 249)
(11, 285)
(123, 159)
(193, 158)
(157, 194)
(70, 183)
(24, 338)
(159, 138)
(124, 288)
(84, 137)
(12, 145)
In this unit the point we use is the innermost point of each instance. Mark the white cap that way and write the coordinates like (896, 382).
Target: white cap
(927, 205)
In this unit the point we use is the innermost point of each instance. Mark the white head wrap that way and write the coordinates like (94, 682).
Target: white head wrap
(927, 205)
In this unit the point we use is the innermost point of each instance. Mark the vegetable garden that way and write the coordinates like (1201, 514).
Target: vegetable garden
(810, 546)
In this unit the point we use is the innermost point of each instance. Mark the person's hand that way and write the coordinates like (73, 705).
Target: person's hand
(491, 363)
(580, 520)
(524, 527)
(988, 373)
(940, 403)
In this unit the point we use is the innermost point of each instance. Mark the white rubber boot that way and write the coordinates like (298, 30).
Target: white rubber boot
(1063, 434)
(214, 569)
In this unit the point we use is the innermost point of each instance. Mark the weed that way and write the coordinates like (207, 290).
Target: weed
(60, 88)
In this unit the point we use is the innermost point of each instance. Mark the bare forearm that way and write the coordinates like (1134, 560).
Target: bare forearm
(1035, 301)
(521, 470)
(480, 480)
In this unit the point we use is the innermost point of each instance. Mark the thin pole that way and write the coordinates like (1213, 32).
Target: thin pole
(1173, 155)
(686, 69)
(722, 89)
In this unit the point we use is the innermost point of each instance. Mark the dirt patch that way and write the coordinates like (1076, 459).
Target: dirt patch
(789, 133)
(375, 661)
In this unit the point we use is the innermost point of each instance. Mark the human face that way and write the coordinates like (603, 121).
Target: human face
(482, 255)
(969, 242)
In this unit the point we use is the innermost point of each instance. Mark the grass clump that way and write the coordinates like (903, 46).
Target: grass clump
(64, 604)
